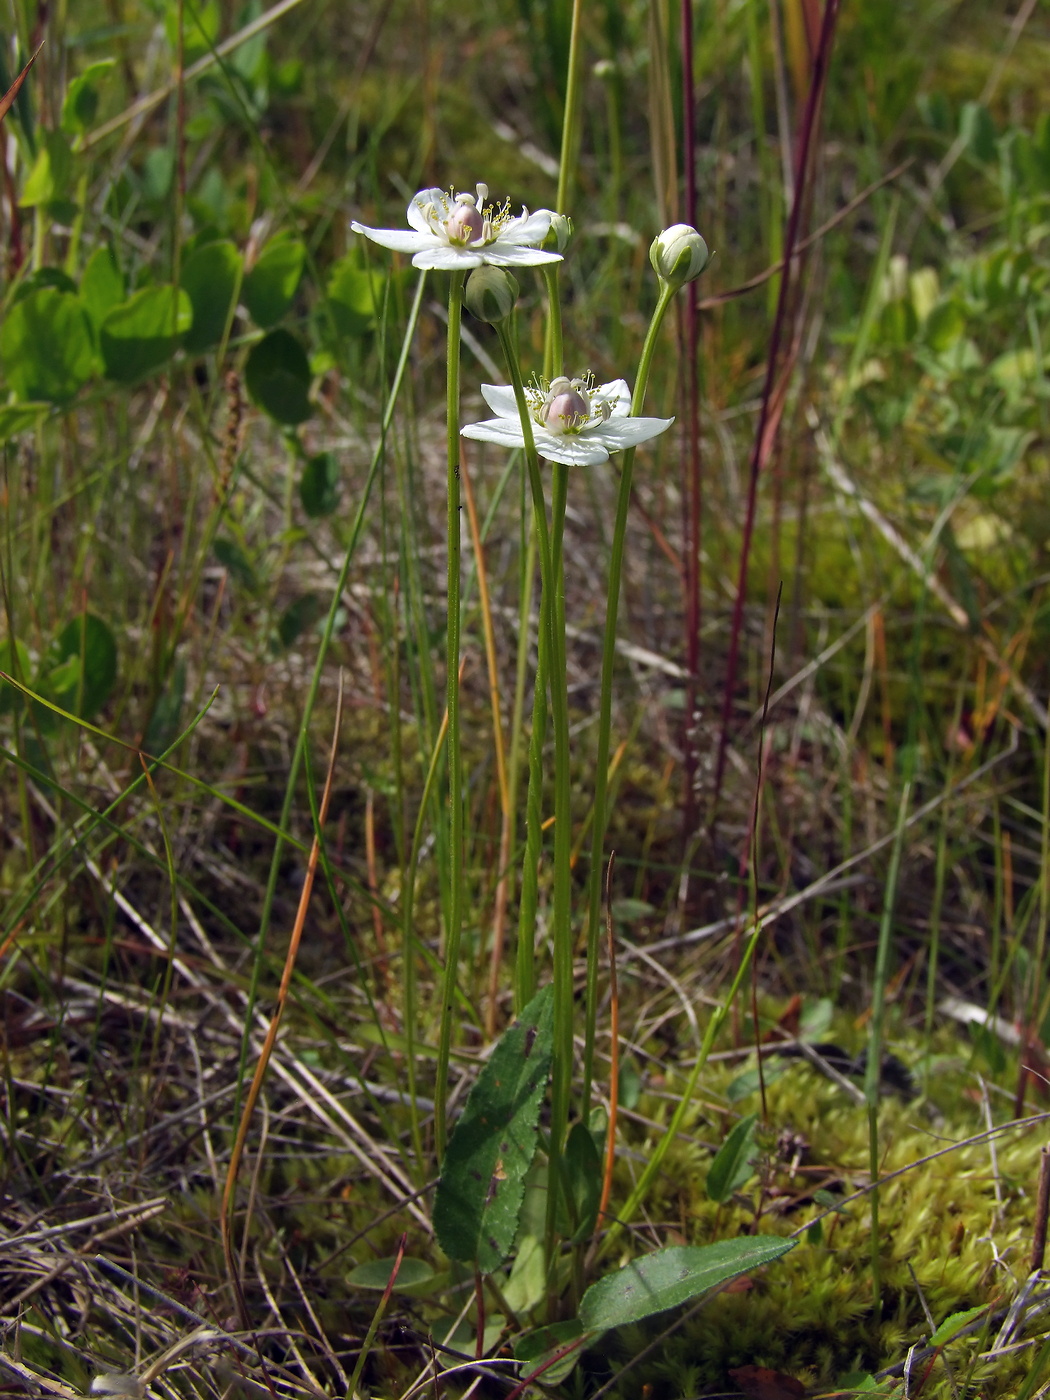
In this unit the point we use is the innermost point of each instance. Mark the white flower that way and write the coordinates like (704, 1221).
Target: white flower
(458, 231)
(573, 421)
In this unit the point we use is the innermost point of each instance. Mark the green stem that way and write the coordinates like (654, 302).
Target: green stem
(525, 970)
(553, 350)
(570, 142)
(601, 773)
(455, 757)
(562, 931)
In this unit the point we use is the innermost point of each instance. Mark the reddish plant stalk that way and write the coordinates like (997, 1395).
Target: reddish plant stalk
(768, 417)
(692, 485)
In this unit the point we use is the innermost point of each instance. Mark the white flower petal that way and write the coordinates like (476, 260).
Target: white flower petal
(500, 398)
(446, 258)
(572, 451)
(527, 228)
(497, 430)
(616, 393)
(618, 433)
(416, 217)
(499, 254)
(400, 240)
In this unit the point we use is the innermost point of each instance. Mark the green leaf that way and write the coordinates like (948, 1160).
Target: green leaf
(163, 725)
(277, 375)
(354, 295)
(630, 1083)
(211, 278)
(81, 667)
(375, 1274)
(101, 286)
(272, 282)
(231, 556)
(320, 483)
(478, 1198)
(977, 129)
(49, 178)
(80, 106)
(748, 1082)
(672, 1276)
(945, 324)
(629, 911)
(299, 616)
(955, 1323)
(47, 347)
(582, 1166)
(141, 335)
(732, 1165)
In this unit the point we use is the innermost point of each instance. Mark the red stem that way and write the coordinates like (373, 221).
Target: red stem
(763, 443)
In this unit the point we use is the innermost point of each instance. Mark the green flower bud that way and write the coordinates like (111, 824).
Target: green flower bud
(678, 255)
(490, 294)
(559, 234)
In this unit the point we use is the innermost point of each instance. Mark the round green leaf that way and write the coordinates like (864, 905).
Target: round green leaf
(278, 377)
(210, 277)
(142, 334)
(46, 346)
(319, 485)
(668, 1277)
(271, 284)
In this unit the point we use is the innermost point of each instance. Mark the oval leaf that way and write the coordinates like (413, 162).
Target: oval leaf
(672, 1276)
(46, 346)
(278, 377)
(142, 334)
(479, 1196)
(272, 282)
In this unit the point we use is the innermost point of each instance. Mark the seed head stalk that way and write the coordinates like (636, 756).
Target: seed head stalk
(601, 771)
(455, 756)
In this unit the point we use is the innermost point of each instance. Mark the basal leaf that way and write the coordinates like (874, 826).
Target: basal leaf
(479, 1195)
(277, 374)
(672, 1276)
(141, 335)
(46, 346)
(211, 278)
(271, 284)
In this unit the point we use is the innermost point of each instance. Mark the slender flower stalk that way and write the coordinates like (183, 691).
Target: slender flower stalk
(562, 932)
(455, 756)
(601, 771)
